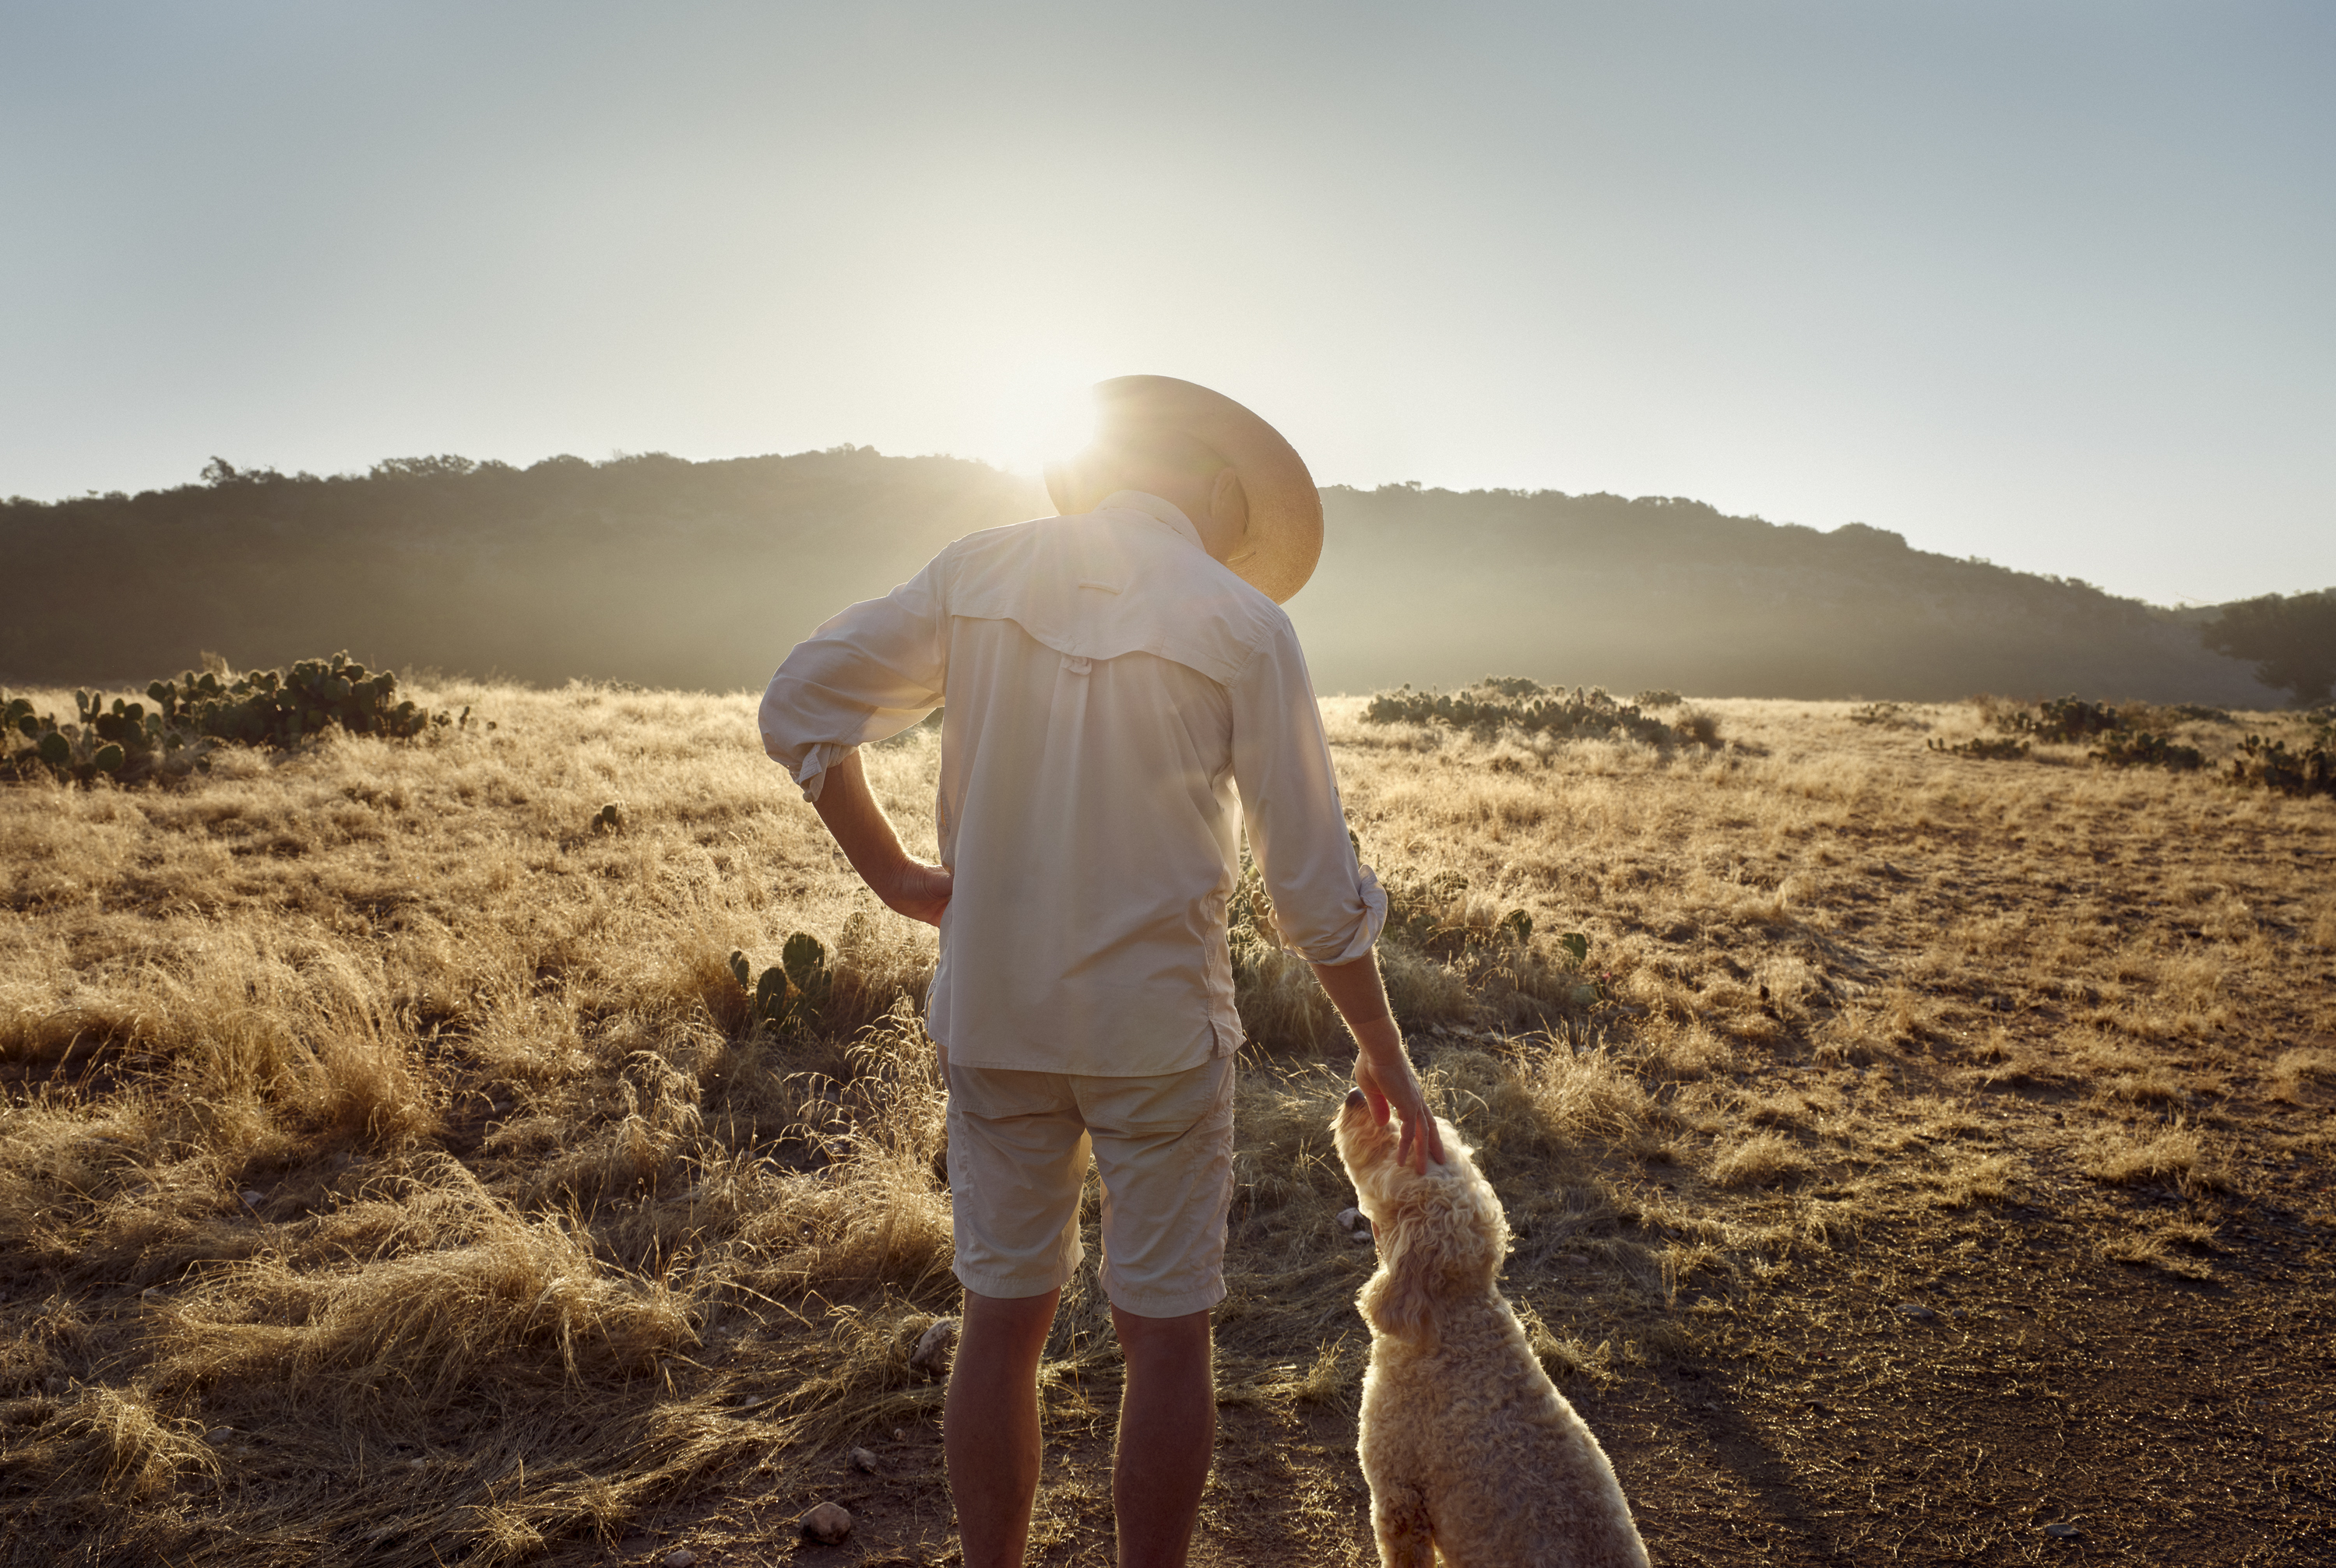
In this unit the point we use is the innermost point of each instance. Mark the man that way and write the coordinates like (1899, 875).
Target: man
(1111, 677)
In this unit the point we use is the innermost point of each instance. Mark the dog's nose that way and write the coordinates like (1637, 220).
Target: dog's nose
(1354, 1098)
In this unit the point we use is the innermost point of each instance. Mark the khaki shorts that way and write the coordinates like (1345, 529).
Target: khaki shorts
(1018, 1155)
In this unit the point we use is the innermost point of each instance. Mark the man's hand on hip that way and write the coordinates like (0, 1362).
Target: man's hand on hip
(865, 835)
(919, 892)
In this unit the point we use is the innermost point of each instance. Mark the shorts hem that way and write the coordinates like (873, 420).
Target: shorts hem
(1010, 1287)
(1155, 1304)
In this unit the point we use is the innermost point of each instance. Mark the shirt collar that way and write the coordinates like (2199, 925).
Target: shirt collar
(1152, 506)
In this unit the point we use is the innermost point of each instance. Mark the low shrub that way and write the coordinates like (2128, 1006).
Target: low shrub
(1500, 703)
(129, 741)
(2125, 748)
(2062, 720)
(1889, 715)
(2307, 770)
(2125, 735)
(1983, 748)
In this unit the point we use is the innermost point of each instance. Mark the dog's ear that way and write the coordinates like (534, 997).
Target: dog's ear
(1400, 1301)
(1428, 1255)
(1445, 1240)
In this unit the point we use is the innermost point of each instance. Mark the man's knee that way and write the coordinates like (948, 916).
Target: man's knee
(1164, 1340)
(1008, 1326)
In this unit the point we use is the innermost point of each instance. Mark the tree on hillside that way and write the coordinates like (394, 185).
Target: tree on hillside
(2291, 638)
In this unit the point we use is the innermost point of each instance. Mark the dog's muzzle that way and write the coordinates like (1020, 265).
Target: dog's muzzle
(1356, 1099)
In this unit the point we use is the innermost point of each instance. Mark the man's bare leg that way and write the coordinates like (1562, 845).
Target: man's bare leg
(1167, 1435)
(990, 1423)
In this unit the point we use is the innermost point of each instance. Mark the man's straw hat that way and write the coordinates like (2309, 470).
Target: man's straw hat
(1285, 509)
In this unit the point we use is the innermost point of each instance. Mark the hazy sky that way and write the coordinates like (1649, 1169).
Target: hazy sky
(2052, 283)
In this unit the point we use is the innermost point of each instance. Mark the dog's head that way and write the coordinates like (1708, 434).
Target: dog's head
(1441, 1235)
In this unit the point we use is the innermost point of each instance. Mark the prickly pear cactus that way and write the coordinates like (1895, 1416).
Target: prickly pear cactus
(805, 959)
(193, 715)
(791, 992)
(773, 1006)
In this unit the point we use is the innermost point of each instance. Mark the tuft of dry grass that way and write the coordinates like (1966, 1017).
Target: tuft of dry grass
(2175, 1156)
(2295, 1072)
(1762, 1160)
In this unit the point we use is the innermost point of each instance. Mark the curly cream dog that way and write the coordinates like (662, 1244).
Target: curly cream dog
(1471, 1451)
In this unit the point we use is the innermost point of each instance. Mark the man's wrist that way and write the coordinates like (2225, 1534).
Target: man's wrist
(1379, 1041)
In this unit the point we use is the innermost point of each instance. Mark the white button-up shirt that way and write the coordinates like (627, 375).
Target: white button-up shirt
(1107, 687)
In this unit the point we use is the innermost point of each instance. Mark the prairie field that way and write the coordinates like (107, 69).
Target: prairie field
(1911, 1158)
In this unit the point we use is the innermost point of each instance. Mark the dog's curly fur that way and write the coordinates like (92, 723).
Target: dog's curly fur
(1470, 1450)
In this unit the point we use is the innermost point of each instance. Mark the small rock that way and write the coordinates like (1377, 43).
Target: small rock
(1350, 1219)
(750, 1401)
(2065, 1532)
(680, 1557)
(827, 1522)
(899, 1434)
(1362, 1237)
(863, 1461)
(1916, 1310)
(219, 1434)
(934, 1348)
(150, 1293)
(252, 1197)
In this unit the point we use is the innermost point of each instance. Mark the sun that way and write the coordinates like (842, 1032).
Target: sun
(1042, 414)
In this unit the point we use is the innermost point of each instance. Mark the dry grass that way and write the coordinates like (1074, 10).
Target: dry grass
(2174, 1156)
(388, 1172)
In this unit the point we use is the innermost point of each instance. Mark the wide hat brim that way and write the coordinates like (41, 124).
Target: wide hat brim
(1285, 509)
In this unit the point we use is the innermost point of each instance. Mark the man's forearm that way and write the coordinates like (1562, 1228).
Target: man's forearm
(865, 835)
(861, 828)
(1383, 1068)
(1356, 990)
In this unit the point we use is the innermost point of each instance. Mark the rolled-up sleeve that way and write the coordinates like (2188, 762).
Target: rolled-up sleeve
(869, 672)
(1329, 905)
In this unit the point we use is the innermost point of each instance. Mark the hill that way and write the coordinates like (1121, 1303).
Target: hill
(660, 571)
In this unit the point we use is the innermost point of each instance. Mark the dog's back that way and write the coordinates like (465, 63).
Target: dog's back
(1469, 1449)
(1469, 1443)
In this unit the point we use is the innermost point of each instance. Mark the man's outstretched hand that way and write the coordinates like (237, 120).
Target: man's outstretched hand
(1382, 1068)
(1394, 1088)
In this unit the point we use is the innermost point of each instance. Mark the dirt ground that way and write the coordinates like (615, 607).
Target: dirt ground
(2153, 1418)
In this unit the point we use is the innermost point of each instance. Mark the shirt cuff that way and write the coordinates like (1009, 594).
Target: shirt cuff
(813, 774)
(1366, 935)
